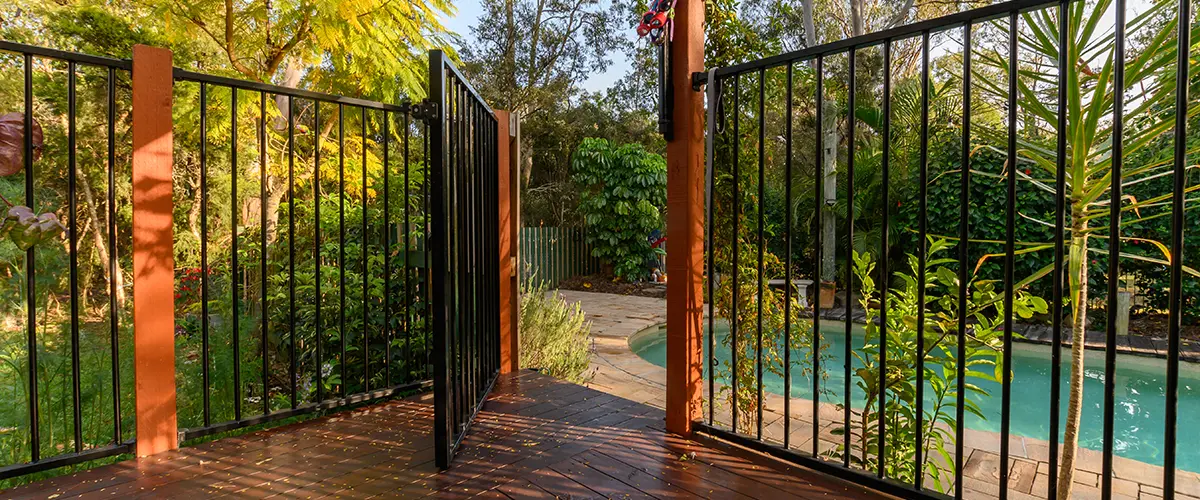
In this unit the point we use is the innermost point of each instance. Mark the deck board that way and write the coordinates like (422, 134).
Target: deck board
(537, 437)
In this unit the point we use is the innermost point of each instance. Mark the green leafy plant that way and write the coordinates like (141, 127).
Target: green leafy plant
(938, 362)
(1149, 89)
(555, 338)
(621, 190)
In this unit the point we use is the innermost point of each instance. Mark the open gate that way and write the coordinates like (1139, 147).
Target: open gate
(464, 161)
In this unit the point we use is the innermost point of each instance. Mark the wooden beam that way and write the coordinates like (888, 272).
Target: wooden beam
(685, 222)
(509, 343)
(153, 258)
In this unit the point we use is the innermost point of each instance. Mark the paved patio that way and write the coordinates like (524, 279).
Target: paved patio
(617, 370)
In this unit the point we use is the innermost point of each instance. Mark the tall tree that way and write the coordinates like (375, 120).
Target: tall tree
(527, 55)
(532, 58)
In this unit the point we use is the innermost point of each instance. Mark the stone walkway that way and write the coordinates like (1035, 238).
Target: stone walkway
(618, 371)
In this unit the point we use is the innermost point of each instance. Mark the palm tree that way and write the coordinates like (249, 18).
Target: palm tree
(1149, 88)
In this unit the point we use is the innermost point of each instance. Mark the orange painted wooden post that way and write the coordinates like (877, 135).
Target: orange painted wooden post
(685, 223)
(153, 260)
(509, 346)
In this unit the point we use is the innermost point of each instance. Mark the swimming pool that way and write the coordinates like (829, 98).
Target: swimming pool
(1139, 397)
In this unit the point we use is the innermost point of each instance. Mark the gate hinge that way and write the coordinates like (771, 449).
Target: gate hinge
(424, 110)
(699, 80)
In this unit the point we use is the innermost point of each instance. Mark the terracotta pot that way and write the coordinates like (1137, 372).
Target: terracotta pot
(828, 290)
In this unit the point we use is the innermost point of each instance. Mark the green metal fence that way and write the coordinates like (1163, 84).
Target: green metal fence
(553, 254)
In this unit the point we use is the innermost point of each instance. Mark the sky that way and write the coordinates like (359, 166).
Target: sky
(470, 10)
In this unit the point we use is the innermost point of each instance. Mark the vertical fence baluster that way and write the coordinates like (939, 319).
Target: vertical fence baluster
(454, 124)
(366, 240)
(262, 229)
(318, 323)
(427, 227)
(443, 429)
(113, 314)
(760, 270)
(204, 334)
(448, 195)
(291, 194)
(205, 355)
(922, 246)
(819, 180)
(850, 147)
(342, 246)
(964, 233)
(1009, 255)
(787, 267)
(235, 299)
(737, 212)
(883, 257)
(408, 239)
(386, 252)
(710, 367)
(1059, 250)
(1114, 247)
(73, 242)
(473, 191)
(1178, 205)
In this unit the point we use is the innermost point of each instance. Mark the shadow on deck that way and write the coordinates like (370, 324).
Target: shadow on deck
(537, 437)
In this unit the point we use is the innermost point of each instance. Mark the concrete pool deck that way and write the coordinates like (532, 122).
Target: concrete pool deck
(617, 370)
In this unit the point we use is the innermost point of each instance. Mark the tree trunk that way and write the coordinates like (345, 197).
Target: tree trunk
(102, 243)
(1079, 299)
(856, 17)
(810, 31)
(829, 186)
(194, 213)
(829, 168)
(274, 199)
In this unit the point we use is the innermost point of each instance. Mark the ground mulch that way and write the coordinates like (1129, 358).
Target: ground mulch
(1154, 325)
(602, 283)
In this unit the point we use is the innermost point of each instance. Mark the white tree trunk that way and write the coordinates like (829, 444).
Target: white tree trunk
(829, 165)
(829, 186)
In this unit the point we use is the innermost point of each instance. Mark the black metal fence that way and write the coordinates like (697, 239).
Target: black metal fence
(464, 243)
(301, 227)
(1015, 152)
(59, 367)
(317, 295)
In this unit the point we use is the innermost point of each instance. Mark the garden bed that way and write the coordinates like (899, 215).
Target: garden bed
(606, 283)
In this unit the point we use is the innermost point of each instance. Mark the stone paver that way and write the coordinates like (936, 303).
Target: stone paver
(618, 371)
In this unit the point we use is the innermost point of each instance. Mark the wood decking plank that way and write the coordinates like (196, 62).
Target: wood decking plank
(536, 437)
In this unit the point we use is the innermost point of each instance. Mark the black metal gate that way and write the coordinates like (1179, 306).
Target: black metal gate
(465, 237)
(896, 352)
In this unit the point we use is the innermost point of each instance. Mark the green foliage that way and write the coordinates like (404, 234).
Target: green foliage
(621, 190)
(555, 338)
(550, 138)
(938, 362)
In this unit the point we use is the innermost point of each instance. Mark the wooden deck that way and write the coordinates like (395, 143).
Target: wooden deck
(537, 437)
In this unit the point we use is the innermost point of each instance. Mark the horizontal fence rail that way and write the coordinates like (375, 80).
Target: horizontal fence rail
(64, 245)
(318, 294)
(464, 186)
(554, 254)
(937, 210)
(301, 234)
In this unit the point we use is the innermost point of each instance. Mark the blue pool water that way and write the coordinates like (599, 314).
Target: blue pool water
(1139, 398)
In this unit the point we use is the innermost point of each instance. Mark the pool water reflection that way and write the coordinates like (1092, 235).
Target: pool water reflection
(1139, 398)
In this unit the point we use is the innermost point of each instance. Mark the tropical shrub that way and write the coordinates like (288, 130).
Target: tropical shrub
(621, 192)
(554, 335)
(938, 363)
